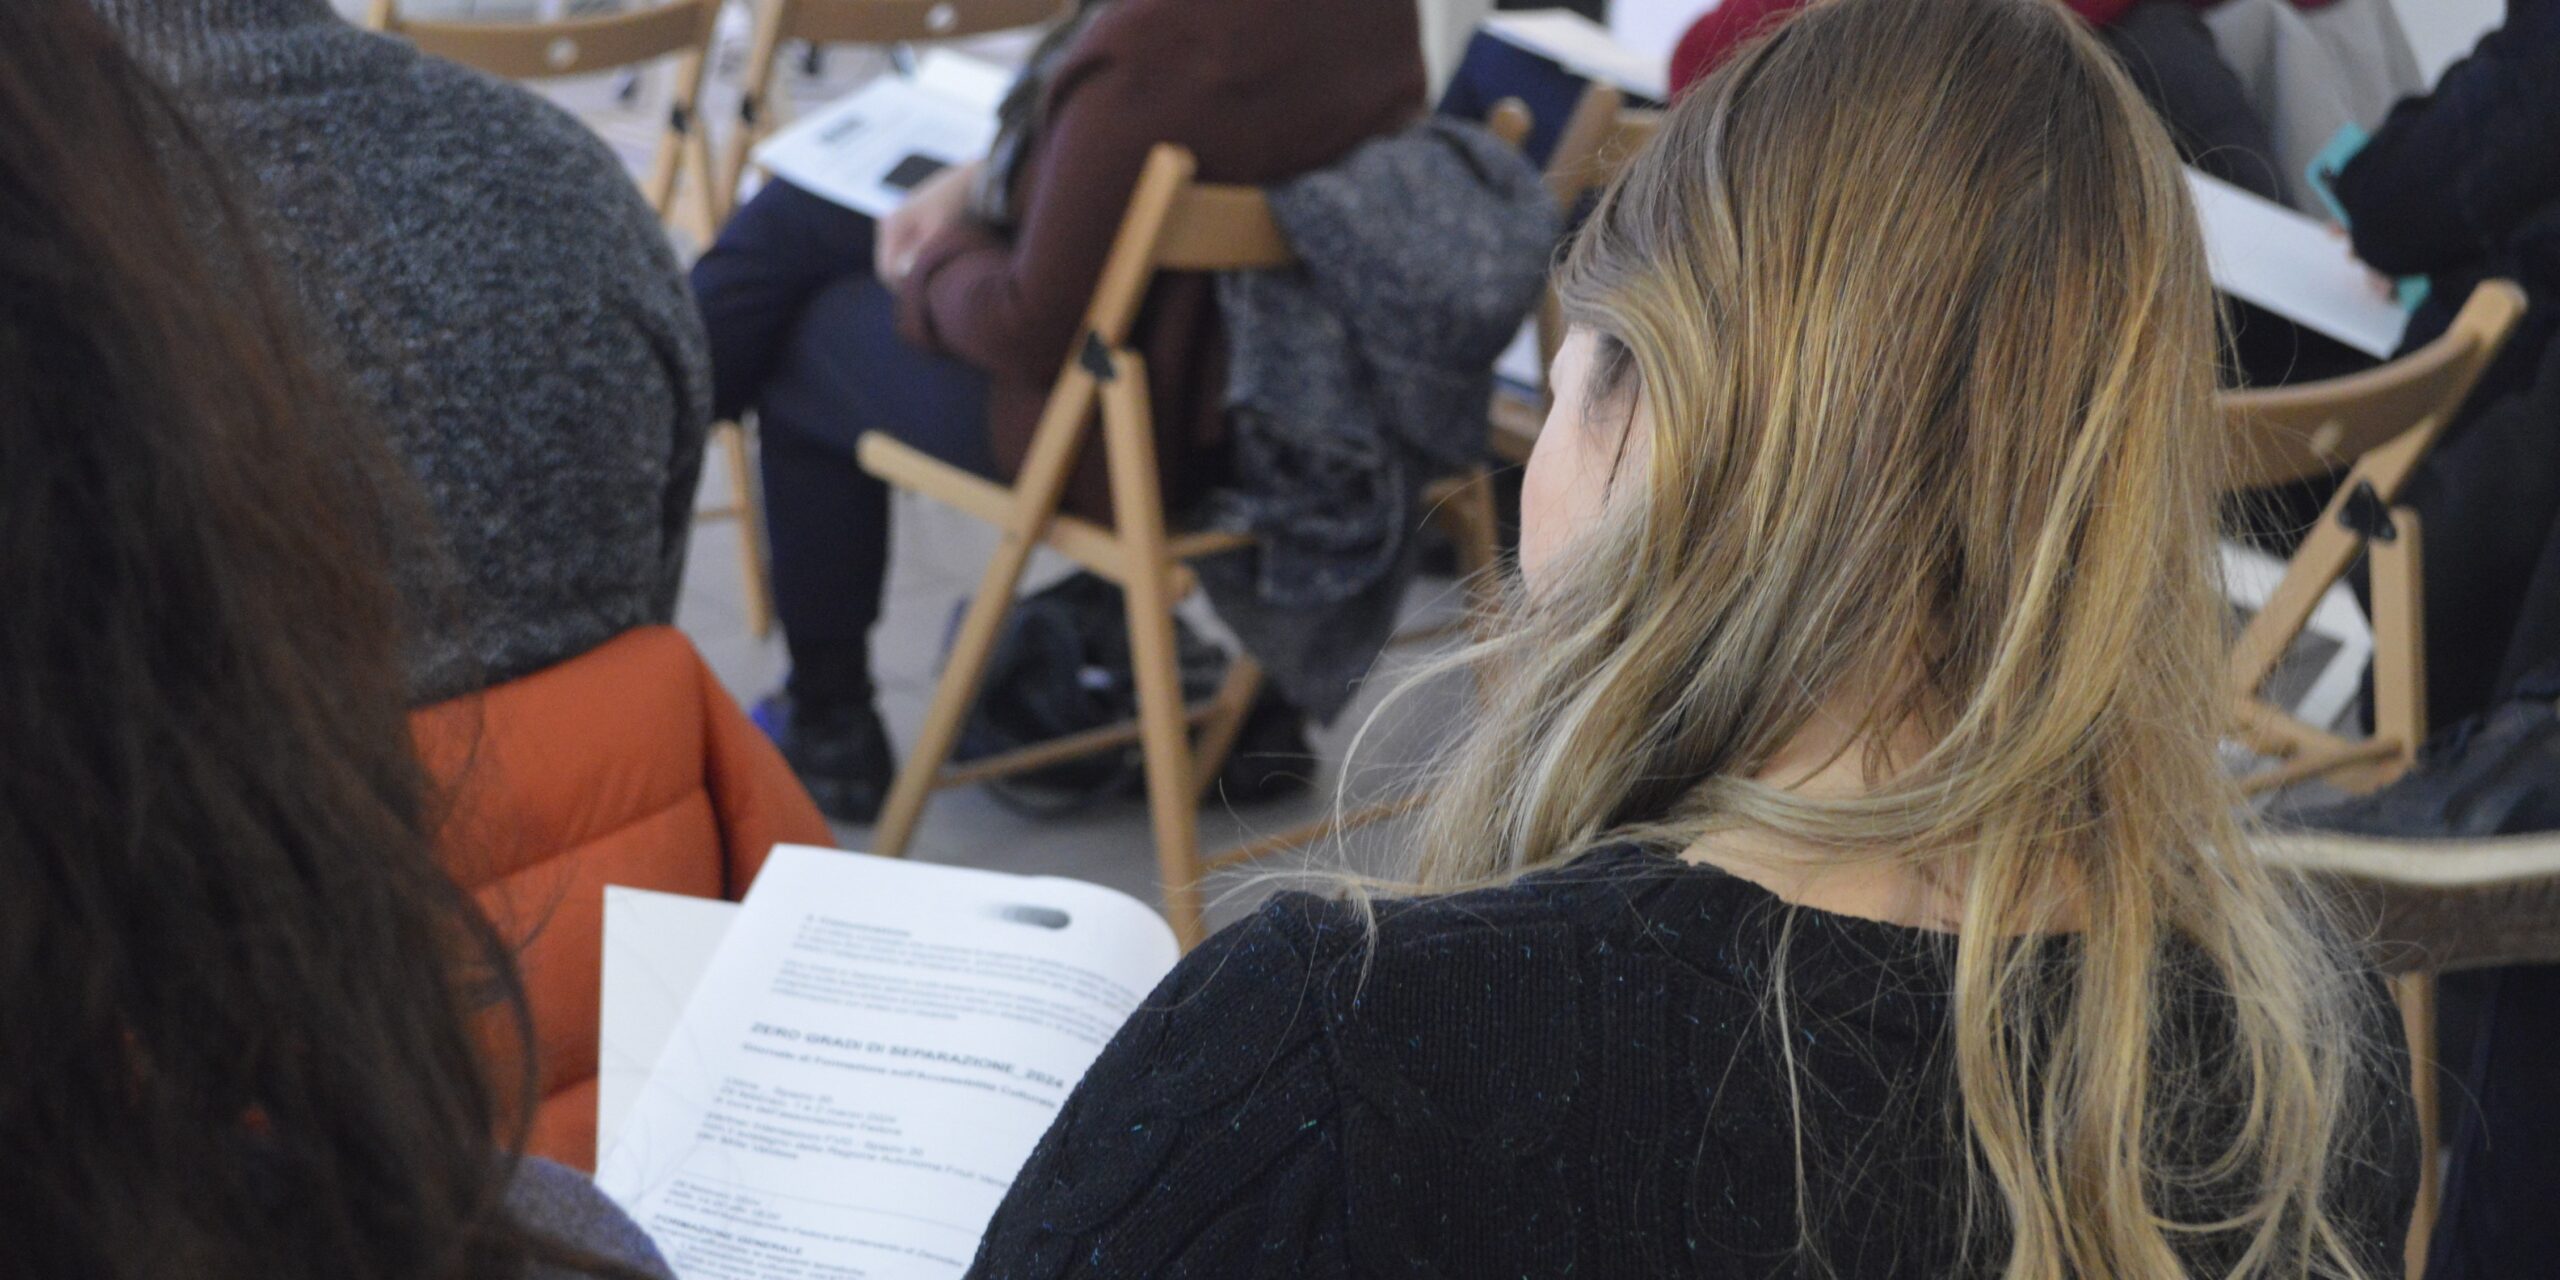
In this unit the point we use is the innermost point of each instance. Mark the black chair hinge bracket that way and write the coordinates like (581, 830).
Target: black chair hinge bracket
(2365, 515)
(1097, 358)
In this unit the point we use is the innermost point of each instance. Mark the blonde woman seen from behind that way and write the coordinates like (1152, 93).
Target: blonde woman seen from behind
(1837, 879)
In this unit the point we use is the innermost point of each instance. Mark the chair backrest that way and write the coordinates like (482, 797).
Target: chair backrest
(2291, 433)
(894, 21)
(879, 22)
(572, 46)
(679, 29)
(1174, 223)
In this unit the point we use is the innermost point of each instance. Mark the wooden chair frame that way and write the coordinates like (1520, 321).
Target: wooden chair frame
(2380, 423)
(755, 580)
(1172, 224)
(872, 22)
(2438, 906)
(1598, 140)
(680, 29)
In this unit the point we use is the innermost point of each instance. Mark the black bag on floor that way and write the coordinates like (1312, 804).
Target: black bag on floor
(1061, 667)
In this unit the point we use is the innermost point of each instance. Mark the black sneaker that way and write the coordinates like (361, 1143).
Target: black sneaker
(843, 758)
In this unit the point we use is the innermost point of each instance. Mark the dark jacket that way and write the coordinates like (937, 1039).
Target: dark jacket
(2461, 185)
(1259, 91)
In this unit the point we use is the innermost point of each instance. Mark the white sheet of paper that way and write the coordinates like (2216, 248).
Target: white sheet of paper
(656, 947)
(1585, 48)
(851, 150)
(872, 1052)
(2293, 266)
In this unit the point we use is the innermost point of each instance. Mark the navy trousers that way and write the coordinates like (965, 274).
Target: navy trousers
(805, 335)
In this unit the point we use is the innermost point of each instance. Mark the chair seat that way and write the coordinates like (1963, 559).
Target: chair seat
(1083, 541)
(2441, 905)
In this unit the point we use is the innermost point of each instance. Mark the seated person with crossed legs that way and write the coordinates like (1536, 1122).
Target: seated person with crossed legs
(946, 323)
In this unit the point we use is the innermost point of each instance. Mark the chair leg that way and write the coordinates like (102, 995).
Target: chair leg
(953, 695)
(1476, 529)
(752, 570)
(2416, 993)
(1173, 794)
(2399, 635)
(707, 209)
(1234, 701)
(1172, 790)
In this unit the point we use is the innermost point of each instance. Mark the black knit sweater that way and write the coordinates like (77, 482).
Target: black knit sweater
(1576, 1075)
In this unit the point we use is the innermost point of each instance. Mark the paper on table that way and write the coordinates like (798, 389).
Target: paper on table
(656, 946)
(2292, 266)
(1585, 48)
(869, 149)
(874, 1050)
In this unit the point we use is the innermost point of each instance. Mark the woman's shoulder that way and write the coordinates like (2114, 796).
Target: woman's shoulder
(1415, 933)
(567, 1207)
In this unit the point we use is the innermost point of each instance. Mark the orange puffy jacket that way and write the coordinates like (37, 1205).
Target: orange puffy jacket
(627, 765)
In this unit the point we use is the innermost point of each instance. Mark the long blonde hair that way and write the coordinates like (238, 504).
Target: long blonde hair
(1917, 301)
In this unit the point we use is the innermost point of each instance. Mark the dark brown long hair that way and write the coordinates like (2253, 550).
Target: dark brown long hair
(240, 1005)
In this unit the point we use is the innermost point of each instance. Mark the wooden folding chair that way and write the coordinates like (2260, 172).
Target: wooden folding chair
(1172, 224)
(679, 29)
(1598, 140)
(873, 22)
(754, 578)
(2437, 906)
(2380, 425)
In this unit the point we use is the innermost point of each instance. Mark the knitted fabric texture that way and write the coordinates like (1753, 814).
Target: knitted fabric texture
(487, 278)
(1579, 1074)
(561, 1203)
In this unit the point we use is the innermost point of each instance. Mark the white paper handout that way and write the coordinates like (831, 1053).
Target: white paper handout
(1584, 48)
(869, 149)
(656, 948)
(871, 1053)
(2293, 266)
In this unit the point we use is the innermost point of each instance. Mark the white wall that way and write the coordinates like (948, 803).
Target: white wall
(1653, 26)
(2441, 31)
(1446, 24)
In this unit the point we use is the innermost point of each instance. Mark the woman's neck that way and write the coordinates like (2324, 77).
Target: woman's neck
(1841, 755)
